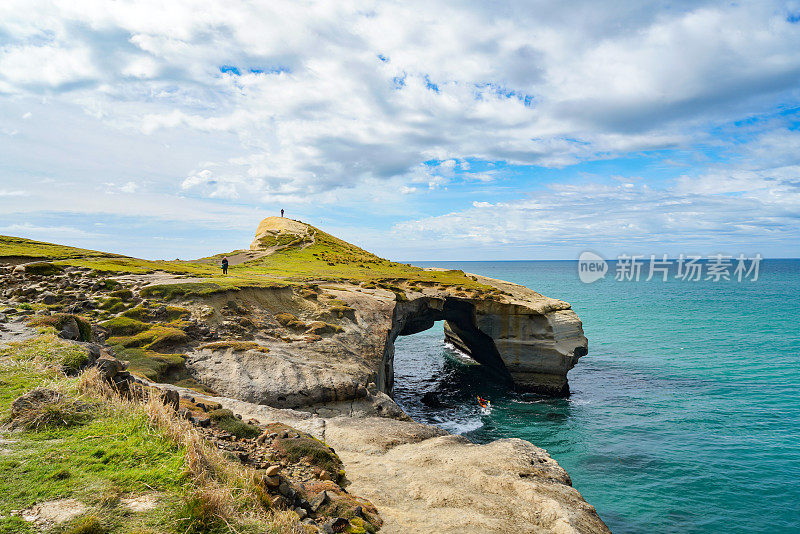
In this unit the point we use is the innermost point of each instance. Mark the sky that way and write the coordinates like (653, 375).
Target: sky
(419, 130)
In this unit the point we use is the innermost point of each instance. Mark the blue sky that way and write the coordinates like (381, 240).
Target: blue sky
(488, 130)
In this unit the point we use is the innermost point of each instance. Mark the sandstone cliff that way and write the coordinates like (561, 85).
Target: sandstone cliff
(302, 332)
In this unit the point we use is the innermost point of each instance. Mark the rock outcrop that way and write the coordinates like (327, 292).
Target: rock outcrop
(302, 344)
(422, 479)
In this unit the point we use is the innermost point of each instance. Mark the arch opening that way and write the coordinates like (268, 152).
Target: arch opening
(460, 330)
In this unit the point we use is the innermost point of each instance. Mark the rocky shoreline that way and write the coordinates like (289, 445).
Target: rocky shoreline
(316, 359)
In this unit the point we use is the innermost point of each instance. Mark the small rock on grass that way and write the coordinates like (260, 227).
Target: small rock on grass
(272, 470)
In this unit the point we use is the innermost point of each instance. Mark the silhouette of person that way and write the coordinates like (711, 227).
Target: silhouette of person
(281, 212)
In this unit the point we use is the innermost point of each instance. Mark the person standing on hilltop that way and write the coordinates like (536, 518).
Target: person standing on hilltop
(281, 212)
(225, 265)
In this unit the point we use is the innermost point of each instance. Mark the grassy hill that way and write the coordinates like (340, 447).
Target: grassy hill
(310, 256)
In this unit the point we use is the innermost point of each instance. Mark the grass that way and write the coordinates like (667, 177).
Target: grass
(229, 423)
(49, 349)
(154, 338)
(44, 408)
(58, 320)
(124, 326)
(236, 346)
(154, 366)
(125, 449)
(297, 263)
(17, 247)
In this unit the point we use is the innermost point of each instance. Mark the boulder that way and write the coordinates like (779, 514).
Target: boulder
(48, 297)
(272, 470)
(69, 329)
(109, 367)
(171, 398)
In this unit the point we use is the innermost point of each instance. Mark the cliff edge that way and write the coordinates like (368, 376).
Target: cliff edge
(301, 332)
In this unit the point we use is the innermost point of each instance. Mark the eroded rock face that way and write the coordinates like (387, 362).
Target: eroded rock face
(528, 340)
(422, 479)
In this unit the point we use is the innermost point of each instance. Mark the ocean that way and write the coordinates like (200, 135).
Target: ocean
(685, 415)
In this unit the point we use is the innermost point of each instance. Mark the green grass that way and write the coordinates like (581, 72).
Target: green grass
(229, 423)
(124, 326)
(154, 338)
(121, 451)
(18, 247)
(152, 365)
(47, 348)
(57, 321)
(113, 451)
(327, 259)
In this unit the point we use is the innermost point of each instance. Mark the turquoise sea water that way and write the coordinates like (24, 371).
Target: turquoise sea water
(684, 416)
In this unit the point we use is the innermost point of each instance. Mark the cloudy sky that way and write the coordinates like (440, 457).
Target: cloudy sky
(420, 130)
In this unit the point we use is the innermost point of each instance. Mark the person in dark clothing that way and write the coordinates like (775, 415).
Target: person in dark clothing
(225, 265)
(281, 212)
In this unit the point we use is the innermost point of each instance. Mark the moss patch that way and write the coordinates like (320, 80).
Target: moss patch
(124, 326)
(43, 268)
(305, 446)
(229, 423)
(290, 321)
(321, 328)
(236, 346)
(154, 366)
(173, 291)
(122, 294)
(155, 338)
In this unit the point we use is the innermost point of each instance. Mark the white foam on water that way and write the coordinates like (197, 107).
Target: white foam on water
(459, 355)
(460, 427)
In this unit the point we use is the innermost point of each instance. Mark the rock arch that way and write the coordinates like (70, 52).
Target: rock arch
(531, 349)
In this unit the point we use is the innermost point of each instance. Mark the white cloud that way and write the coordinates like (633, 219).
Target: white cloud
(224, 107)
(316, 109)
(44, 232)
(129, 187)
